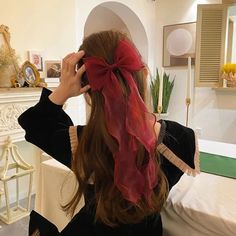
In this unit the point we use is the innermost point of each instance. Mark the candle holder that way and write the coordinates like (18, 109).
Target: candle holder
(187, 102)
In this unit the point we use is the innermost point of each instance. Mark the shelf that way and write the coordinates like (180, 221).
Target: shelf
(17, 90)
(225, 89)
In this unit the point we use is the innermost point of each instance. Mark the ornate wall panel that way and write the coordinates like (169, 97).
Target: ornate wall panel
(12, 103)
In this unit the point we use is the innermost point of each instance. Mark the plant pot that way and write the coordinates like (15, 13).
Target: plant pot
(5, 77)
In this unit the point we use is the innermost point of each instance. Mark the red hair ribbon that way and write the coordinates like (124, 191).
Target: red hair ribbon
(127, 120)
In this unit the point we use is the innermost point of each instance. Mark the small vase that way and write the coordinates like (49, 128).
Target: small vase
(5, 76)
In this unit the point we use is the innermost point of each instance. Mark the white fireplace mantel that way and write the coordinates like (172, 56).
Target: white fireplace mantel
(13, 102)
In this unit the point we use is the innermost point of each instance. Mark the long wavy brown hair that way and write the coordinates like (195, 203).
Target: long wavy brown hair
(94, 153)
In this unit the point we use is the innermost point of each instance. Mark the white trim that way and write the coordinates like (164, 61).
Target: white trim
(218, 148)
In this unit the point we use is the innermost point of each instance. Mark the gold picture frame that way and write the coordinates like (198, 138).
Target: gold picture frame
(36, 58)
(53, 68)
(30, 74)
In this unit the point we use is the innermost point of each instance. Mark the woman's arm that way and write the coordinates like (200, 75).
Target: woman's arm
(46, 124)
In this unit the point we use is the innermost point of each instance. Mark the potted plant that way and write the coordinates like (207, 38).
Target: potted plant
(7, 61)
(167, 90)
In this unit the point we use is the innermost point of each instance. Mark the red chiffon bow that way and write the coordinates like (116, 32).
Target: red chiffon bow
(127, 120)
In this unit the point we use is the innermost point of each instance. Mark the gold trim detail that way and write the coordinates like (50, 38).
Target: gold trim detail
(30, 73)
(73, 139)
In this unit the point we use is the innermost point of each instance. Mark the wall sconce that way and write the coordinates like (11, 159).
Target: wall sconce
(13, 168)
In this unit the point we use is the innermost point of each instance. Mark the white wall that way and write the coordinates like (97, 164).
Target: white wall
(44, 25)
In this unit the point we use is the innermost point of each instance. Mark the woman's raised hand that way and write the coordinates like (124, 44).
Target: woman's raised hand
(70, 81)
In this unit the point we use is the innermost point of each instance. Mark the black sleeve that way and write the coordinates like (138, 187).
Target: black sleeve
(181, 141)
(47, 126)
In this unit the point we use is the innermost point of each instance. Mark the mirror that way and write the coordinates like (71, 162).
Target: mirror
(8, 60)
(30, 74)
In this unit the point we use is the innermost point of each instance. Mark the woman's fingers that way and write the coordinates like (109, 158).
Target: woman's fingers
(69, 55)
(70, 61)
(73, 61)
(64, 61)
(70, 78)
(81, 70)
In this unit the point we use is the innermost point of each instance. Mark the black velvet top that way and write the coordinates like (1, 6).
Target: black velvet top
(47, 126)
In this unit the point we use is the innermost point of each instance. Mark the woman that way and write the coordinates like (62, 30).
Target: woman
(125, 162)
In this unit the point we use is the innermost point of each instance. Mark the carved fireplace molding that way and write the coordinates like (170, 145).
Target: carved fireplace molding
(12, 103)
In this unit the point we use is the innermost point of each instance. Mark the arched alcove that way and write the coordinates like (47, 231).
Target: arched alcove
(115, 15)
(101, 18)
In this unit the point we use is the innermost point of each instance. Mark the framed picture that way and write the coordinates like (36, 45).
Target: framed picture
(53, 69)
(179, 44)
(30, 74)
(36, 58)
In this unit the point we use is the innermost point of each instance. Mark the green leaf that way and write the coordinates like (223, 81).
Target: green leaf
(167, 90)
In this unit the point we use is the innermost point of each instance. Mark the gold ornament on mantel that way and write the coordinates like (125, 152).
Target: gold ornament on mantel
(8, 60)
(11, 75)
(229, 74)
